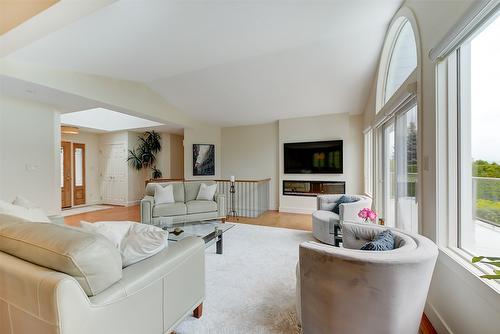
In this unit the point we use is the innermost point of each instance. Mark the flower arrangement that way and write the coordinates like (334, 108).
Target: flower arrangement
(367, 214)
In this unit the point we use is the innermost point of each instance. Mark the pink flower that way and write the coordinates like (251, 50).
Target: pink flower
(367, 214)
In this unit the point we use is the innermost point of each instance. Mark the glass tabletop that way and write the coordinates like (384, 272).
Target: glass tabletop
(208, 230)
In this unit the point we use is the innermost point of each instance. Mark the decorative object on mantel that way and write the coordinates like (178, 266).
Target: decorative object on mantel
(203, 159)
(367, 214)
(144, 156)
(232, 191)
(491, 261)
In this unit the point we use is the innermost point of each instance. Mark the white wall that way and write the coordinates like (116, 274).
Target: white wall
(92, 178)
(30, 153)
(202, 135)
(136, 178)
(458, 301)
(328, 127)
(251, 152)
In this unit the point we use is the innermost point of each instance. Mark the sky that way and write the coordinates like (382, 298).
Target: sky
(485, 93)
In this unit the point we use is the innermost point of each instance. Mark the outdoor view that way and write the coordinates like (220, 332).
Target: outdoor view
(485, 139)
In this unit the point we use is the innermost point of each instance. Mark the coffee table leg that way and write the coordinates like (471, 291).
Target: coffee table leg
(219, 244)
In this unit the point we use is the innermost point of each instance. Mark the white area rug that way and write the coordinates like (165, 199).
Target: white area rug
(84, 209)
(251, 287)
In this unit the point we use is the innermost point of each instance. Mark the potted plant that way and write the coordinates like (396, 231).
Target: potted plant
(144, 155)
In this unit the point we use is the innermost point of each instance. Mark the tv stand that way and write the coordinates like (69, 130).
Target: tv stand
(312, 188)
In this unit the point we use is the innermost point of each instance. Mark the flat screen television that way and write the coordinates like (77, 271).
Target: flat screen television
(319, 157)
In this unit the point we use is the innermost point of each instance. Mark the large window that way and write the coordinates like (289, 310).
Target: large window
(477, 72)
(397, 127)
(368, 145)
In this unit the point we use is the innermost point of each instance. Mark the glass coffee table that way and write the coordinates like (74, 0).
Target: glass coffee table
(211, 231)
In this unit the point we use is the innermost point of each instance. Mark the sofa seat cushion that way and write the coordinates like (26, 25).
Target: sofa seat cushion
(198, 206)
(169, 209)
(88, 257)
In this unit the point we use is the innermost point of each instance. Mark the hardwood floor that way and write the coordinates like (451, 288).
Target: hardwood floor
(270, 218)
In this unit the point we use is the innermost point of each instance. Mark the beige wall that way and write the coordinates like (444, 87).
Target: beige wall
(176, 156)
(92, 179)
(327, 127)
(201, 135)
(135, 178)
(458, 301)
(251, 152)
(30, 153)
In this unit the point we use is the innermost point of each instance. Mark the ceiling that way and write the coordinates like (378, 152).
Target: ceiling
(231, 62)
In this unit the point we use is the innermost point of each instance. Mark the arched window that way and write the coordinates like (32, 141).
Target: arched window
(399, 59)
(397, 127)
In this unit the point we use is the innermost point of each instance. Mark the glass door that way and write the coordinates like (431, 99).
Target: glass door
(400, 170)
(389, 170)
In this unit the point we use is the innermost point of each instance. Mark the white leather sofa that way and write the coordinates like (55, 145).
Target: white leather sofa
(186, 208)
(324, 220)
(347, 290)
(94, 296)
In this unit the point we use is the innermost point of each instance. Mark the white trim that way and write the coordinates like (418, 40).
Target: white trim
(476, 16)
(296, 210)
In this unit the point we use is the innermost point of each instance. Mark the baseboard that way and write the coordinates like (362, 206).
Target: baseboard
(436, 320)
(132, 203)
(295, 210)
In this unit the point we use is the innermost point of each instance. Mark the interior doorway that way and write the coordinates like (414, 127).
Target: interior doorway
(73, 190)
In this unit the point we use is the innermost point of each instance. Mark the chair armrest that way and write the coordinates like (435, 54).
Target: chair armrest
(147, 204)
(348, 212)
(221, 205)
(326, 202)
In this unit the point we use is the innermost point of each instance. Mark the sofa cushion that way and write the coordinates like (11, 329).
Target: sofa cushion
(89, 258)
(170, 209)
(164, 195)
(177, 188)
(325, 216)
(206, 193)
(193, 187)
(384, 241)
(198, 206)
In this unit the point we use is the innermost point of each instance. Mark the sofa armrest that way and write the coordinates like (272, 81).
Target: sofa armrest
(147, 204)
(221, 205)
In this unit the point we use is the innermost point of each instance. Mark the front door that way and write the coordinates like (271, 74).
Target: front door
(65, 174)
(79, 174)
(114, 174)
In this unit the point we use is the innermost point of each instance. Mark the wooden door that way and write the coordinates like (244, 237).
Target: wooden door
(78, 174)
(65, 174)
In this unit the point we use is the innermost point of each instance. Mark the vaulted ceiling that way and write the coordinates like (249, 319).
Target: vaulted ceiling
(230, 62)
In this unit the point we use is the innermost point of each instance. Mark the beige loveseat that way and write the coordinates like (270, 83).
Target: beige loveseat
(186, 208)
(60, 280)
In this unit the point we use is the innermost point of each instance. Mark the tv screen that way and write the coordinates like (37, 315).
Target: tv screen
(320, 157)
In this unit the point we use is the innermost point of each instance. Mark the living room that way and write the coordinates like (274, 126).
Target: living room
(216, 167)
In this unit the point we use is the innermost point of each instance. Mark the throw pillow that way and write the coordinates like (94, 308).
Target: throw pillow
(164, 195)
(11, 211)
(384, 241)
(343, 199)
(135, 241)
(206, 193)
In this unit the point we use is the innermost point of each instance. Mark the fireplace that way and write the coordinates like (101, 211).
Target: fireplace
(313, 188)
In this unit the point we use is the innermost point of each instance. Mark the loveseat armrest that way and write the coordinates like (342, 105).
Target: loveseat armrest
(221, 205)
(147, 204)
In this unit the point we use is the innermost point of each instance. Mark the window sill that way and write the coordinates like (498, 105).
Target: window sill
(459, 262)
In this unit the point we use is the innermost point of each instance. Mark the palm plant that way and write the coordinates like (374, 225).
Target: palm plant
(493, 261)
(144, 155)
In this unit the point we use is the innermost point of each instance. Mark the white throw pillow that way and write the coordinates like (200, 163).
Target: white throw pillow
(135, 241)
(34, 215)
(206, 193)
(164, 195)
